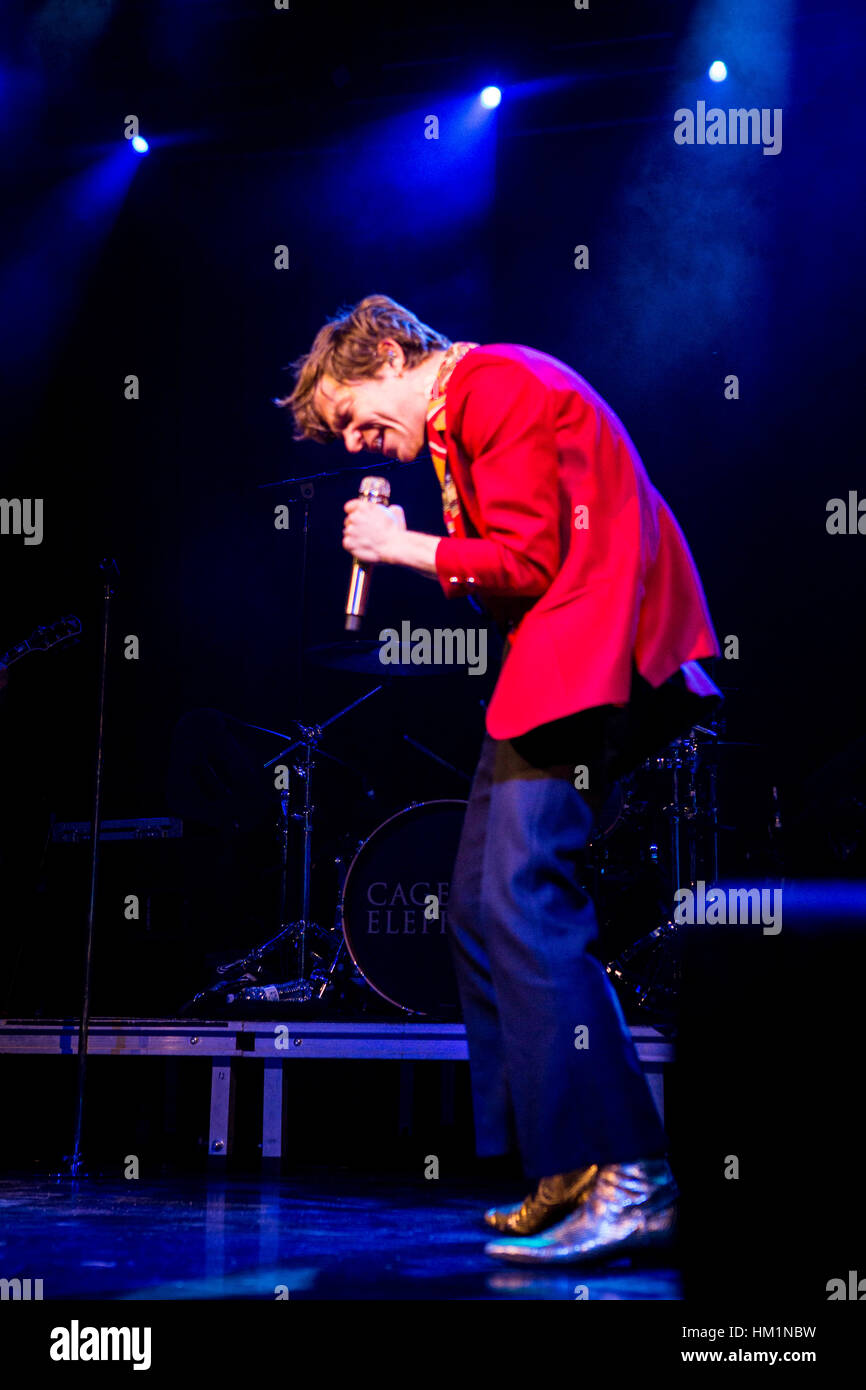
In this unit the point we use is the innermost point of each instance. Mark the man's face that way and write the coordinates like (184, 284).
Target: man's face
(385, 414)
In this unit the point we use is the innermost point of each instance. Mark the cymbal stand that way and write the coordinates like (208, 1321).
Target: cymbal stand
(310, 736)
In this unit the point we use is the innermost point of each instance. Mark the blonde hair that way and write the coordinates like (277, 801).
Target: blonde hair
(347, 348)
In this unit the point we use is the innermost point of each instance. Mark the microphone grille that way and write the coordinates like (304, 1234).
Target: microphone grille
(375, 489)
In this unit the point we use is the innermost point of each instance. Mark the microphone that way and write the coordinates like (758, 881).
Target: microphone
(372, 490)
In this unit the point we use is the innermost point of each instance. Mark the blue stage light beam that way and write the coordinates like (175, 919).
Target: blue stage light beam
(491, 97)
(717, 71)
(41, 292)
(139, 144)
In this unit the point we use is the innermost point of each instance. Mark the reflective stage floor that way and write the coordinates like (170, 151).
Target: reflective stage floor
(318, 1234)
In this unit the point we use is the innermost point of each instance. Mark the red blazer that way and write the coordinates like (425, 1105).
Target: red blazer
(529, 444)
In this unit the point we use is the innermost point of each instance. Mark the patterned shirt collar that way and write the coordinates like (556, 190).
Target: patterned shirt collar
(436, 436)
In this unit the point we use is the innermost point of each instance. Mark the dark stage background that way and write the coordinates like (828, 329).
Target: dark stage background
(306, 129)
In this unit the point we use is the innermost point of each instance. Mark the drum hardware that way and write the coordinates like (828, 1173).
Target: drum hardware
(324, 979)
(646, 972)
(653, 988)
(612, 813)
(422, 748)
(306, 749)
(304, 767)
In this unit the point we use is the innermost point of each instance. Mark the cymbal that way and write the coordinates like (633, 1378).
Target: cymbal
(362, 657)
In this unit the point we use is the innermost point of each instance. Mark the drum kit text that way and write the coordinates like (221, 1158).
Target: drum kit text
(401, 907)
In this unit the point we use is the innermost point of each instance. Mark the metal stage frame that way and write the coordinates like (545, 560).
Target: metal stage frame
(235, 1042)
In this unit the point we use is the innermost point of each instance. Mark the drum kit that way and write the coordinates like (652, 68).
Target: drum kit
(387, 947)
(665, 835)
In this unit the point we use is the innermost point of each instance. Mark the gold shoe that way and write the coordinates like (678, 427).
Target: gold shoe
(553, 1199)
(630, 1206)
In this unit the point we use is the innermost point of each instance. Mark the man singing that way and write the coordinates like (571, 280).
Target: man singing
(555, 527)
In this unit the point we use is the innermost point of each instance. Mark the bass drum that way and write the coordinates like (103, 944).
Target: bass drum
(395, 907)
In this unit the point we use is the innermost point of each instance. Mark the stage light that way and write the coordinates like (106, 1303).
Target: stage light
(490, 97)
(139, 144)
(718, 71)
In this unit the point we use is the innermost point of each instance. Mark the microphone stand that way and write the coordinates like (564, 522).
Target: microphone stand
(108, 567)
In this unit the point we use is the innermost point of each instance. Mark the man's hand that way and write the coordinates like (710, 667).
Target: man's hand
(370, 529)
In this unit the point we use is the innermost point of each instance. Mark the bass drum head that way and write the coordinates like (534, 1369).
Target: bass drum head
(395, 907)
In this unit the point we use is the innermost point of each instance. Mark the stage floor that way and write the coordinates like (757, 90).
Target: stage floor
(319, 1234)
